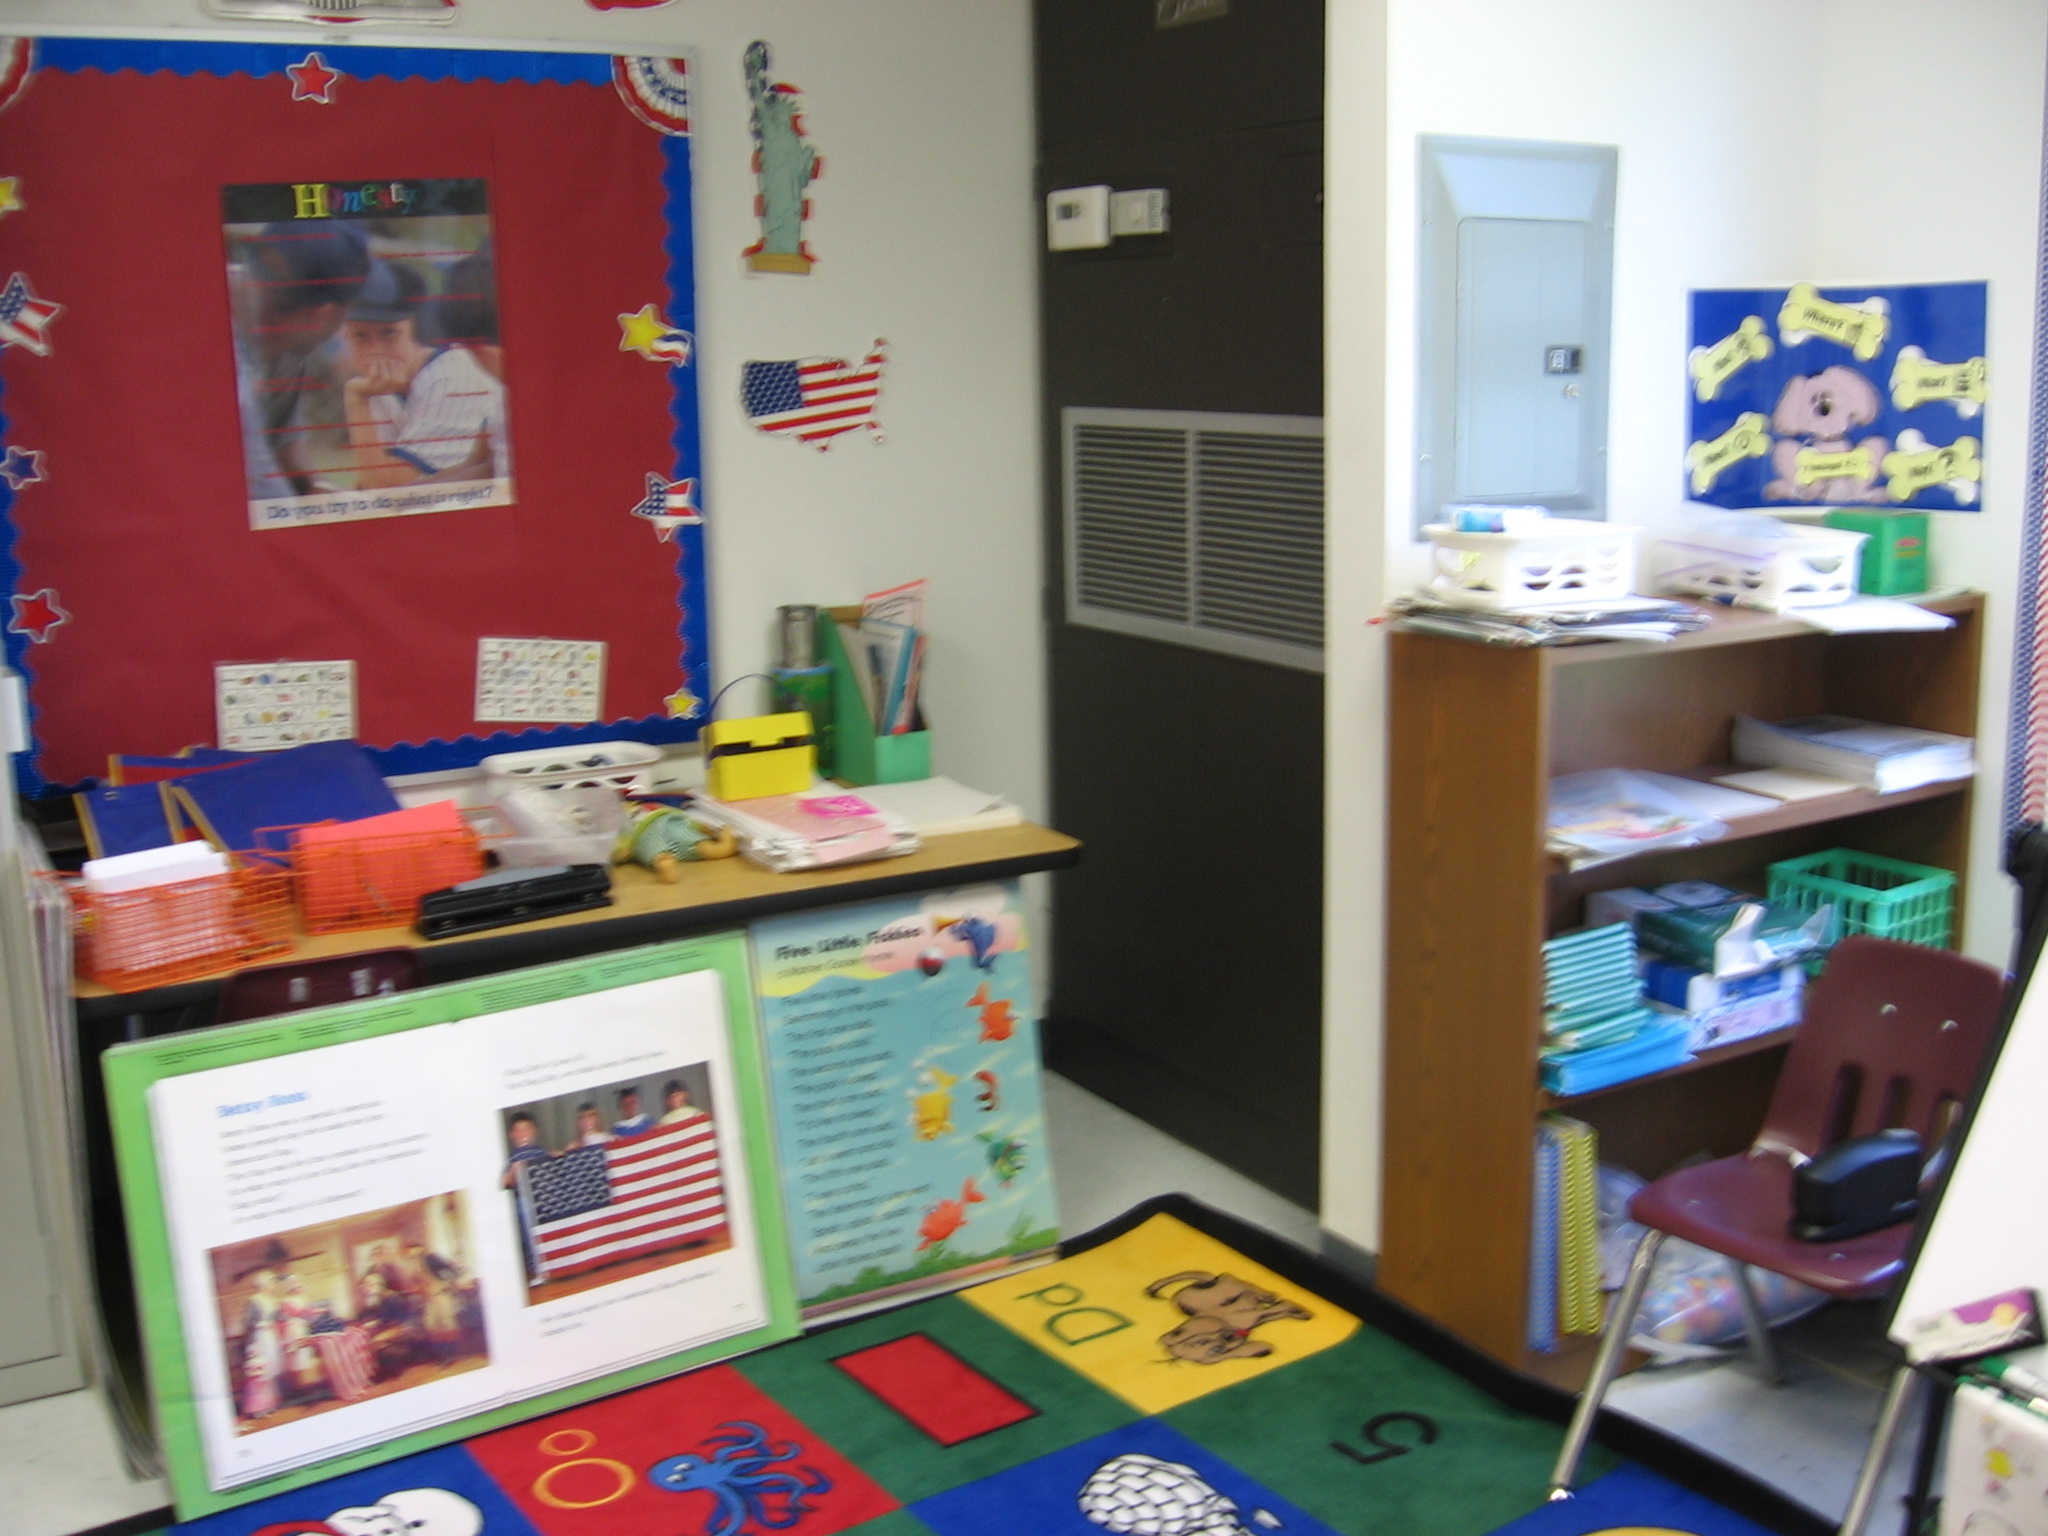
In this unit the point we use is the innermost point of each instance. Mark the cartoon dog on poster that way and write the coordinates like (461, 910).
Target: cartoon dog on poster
(1814, 458)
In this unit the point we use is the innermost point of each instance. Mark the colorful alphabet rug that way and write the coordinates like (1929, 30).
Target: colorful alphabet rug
(1175, 1374)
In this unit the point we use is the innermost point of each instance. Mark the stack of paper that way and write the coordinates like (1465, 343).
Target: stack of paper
(1597, 1028)
(809, 831)
(1880, 757)
(1621, 618)
(939, 805)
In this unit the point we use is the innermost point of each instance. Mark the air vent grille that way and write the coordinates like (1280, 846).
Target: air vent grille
(1198, 528)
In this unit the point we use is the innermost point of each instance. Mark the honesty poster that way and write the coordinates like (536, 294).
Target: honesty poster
(367, 358)
(904, 1072)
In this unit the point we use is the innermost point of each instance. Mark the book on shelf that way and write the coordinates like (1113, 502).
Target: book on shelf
(1880, 757)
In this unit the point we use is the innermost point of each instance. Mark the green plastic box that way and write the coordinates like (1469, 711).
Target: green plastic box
(1895, 557)
(1913, 903)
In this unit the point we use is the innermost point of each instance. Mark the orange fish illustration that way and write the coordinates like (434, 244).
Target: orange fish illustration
(991, 1097)
(997, 1022)
(947, 1217)
(980, 998)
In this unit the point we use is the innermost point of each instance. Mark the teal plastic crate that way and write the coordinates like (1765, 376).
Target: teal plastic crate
(1913, 903)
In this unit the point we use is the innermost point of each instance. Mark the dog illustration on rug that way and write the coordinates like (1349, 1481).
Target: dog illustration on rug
(1221, 1312)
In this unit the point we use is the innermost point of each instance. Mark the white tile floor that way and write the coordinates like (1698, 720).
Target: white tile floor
(61, 1472)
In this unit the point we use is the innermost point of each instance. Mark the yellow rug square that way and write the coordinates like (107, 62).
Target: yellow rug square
(1163, 1315)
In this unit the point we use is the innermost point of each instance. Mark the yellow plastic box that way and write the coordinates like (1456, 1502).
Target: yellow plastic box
(760, 755)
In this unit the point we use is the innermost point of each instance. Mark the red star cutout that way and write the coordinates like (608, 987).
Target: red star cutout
(312, 80)
(37, 614)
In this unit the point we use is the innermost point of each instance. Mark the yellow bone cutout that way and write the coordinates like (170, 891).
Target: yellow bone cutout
(1917, 380)
(1909, 473)
(1859, 328)
(1849, 464)
(1749, 438)
(1711, 367)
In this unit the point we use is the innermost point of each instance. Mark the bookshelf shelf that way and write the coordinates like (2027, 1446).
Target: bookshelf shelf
(1781, 818)
(1476, 734)
(1572, 1103)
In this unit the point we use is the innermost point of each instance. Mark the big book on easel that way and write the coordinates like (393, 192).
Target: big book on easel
(367, 1229)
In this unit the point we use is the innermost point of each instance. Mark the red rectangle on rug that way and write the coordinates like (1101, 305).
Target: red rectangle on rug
(934, 1388)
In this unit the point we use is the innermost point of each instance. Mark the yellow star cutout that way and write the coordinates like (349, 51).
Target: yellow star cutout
(10, 194)
(642, 331)
(682, 704)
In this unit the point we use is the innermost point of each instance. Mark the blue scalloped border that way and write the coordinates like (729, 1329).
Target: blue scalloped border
(693, 630)
(151, 56)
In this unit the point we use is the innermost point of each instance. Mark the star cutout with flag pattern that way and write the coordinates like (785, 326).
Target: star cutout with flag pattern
(312, 80)
(22, 466)
(649, 334)
(668, 505)
(36, 614)
(10, 194)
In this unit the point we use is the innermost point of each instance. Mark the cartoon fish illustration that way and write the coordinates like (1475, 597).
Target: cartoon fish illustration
(931, 1112)
(978, 933)
(1005, 1155)
(981, 998)
(990, 1097)
(947, 1217)
(997, 1021)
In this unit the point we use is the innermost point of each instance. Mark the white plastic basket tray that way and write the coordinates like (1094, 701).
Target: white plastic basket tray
(619, 765)
(1561, 562)
(1803, 568)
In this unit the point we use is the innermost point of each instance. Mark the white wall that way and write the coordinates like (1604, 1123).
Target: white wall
(1742, 163)
(925, 227)
(1979, 156)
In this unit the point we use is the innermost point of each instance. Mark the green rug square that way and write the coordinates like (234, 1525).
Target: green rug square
(1372, 1437)
(892, 1450)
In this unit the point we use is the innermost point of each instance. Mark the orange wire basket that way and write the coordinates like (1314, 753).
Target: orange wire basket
(164, 934)
(376, 882)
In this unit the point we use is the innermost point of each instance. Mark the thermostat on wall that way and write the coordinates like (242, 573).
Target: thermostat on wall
(1077, 219)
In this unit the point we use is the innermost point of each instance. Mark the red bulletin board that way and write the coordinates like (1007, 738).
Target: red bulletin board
(134, 568)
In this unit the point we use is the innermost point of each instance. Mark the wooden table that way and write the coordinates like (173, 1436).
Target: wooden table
(723, 893)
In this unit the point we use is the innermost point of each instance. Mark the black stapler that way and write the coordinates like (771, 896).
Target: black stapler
(513, 896)
(1857, 1186)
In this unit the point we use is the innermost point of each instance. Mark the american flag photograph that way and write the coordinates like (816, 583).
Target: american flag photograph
(616, 1181)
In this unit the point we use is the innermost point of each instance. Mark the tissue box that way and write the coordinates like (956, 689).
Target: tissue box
(760, 755)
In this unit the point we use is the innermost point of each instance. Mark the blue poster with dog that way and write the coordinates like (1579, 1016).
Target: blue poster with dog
(1837, 397)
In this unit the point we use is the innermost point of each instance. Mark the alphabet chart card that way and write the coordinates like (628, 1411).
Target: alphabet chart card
(267, 706)
(544, 680)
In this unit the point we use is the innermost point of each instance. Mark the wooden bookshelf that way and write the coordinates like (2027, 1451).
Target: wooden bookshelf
(1476, 734)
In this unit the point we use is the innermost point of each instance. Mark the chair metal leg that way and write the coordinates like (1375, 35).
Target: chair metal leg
(1891, 1422)
(1761, 1350)
(1619, 1322)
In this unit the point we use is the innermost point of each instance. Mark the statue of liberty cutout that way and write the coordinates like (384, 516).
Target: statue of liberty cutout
(784, 168)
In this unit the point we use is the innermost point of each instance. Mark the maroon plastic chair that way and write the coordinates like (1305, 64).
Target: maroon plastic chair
(1892, 1036)
(263, 990)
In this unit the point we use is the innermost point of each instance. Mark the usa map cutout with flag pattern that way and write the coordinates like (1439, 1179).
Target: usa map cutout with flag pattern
(815, 398)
